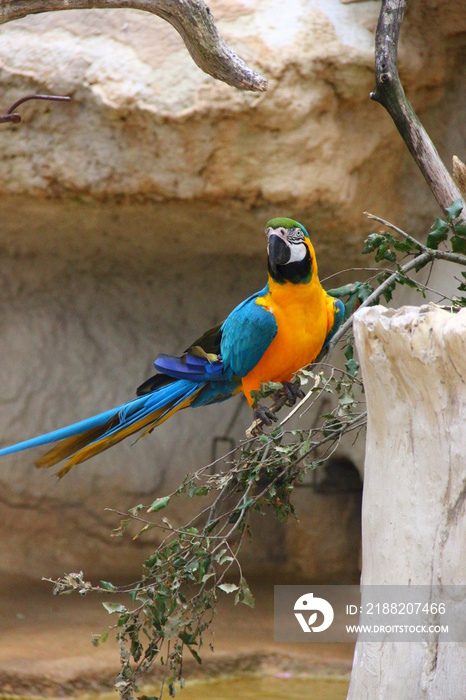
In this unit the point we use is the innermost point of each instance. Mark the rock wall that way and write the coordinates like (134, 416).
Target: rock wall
(145, 122)
(132, 220)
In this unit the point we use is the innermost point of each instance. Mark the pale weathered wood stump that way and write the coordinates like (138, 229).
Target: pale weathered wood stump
(414, 508)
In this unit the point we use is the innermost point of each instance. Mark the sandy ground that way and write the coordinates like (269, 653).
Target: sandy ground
(46, 649)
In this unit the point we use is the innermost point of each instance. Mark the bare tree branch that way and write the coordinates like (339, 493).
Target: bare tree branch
(192, 19)
(390, 94)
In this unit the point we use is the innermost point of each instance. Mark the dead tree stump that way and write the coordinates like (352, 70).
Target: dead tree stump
(414, 504)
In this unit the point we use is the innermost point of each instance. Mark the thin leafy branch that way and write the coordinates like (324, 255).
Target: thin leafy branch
(385, 247)
(175, 599)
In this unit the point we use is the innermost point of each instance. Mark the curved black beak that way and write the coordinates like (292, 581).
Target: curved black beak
(278, 252)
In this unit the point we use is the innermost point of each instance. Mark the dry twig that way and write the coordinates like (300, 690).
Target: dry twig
(15, 118)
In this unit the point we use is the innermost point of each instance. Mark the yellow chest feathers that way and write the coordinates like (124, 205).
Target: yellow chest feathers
(302, 322)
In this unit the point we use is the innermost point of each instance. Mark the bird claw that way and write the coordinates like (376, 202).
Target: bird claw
(292, 393)
(265, 415)
(262, 416)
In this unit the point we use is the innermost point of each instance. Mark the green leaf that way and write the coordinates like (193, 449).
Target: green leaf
(108, 586)
(159, 504)
(149, 526)
(271, 386)
(374, 240)
(114, 607)
(154, 560)
(344, 291)
(187, 637)
(247, 503)
(405, 246)
(460, 229)
(256, 397)
(408, 282)
(228, 587)
(458, 245)
(388, 296)
(438, 233)
(136, 510)
(266, 389)
(195, 654)
(305, 446)
(201, 491)
(118, 531)
(349, 351)
(454, 209)
(244, 595)
(387, 254)
(203, 566)
(223, 556)
(191, 531)
(357, 292)
(123, 619)
(347, 399)
(136, 649)
(172, 627)
(352, 367)
(133, 593)
(331, 426)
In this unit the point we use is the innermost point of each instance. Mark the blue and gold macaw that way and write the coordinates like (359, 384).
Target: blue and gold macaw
(268, 337)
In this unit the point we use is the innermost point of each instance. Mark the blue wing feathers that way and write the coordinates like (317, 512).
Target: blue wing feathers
(189, 367)
(339, 309)
(246, 335)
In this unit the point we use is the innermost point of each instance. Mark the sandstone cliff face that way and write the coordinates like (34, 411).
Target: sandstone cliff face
(145, 122)
(132, 219)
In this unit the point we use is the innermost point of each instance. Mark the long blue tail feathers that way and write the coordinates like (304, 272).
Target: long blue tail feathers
(88, 437)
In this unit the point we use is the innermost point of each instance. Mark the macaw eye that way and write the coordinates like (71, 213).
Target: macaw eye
(295, 235)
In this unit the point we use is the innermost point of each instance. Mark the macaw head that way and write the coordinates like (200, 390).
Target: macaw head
(291, 256)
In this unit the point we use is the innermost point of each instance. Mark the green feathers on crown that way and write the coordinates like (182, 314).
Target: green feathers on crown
(282, 221)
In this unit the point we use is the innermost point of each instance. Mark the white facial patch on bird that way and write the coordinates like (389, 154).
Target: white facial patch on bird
(294, 238)
(297, 252)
